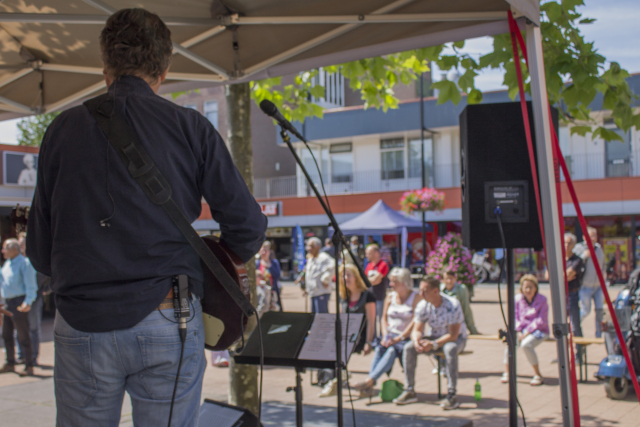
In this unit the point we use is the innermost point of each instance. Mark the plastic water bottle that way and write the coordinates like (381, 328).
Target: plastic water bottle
(478, 391)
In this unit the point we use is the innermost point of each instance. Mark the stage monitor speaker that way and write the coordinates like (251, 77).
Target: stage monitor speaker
(218, 414)
(495, 171)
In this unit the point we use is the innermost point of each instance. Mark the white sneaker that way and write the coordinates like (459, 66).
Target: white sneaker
(505, 378)
(330, 389)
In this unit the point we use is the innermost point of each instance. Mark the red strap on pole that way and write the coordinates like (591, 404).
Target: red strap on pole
(517, 37)
(559, 159)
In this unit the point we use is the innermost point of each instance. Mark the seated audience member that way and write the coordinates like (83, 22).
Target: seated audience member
(448, 334)
(453, 288)
(532, 325)
(356, 298)
(397, 325)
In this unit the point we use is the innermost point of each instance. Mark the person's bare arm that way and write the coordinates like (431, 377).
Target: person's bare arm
(571, 274)
(370, 309)
(416, 336)
(452, 335)
(384, 324)
(376, 278)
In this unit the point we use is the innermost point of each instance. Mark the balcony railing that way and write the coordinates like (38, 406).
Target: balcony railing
(581, 167)
(374, 181)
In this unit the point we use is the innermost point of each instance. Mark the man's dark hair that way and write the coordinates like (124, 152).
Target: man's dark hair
(135, 42)
(451, 272)
(431, 282)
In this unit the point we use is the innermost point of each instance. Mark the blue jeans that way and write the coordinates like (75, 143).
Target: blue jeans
(320, 304)
(93, 370)
(383, 358)
(586, 295)
(35, 330)
(379, 310)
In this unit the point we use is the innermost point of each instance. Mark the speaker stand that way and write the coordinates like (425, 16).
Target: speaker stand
(298, 390)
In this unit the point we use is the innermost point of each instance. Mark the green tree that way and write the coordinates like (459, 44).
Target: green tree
(575, 74)
(32, 129)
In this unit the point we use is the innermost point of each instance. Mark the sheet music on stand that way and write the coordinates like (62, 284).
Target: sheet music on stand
(320, 344)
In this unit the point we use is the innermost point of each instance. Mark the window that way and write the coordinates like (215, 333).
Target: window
(341, 157)
(211, 112)
(392, 158)
(192, 106)
(333, 89)
(415, 157)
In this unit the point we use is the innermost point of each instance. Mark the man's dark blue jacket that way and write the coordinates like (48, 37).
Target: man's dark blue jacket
(108, 278)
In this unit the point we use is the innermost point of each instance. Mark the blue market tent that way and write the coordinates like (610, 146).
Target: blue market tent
(382, 219)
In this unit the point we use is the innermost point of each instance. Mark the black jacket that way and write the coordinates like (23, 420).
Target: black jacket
(108, 278)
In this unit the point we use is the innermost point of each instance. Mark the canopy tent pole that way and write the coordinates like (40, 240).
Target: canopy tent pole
(552, 231)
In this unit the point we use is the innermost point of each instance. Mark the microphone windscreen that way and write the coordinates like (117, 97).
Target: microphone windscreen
(268, 107)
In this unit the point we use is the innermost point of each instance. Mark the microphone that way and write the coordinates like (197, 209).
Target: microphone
(270, 109)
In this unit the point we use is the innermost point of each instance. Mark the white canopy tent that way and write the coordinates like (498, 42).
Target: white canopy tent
(50, 60)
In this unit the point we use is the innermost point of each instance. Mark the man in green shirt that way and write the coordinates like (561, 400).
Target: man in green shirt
(452, 288)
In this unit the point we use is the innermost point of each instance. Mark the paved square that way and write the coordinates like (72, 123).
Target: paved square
(30, 401)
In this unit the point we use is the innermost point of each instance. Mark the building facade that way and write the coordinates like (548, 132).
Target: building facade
(365, 155)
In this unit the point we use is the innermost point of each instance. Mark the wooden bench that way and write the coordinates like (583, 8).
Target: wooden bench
(585, 342)
(439, 356)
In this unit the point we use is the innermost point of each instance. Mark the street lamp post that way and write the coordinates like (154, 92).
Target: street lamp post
(423, 175)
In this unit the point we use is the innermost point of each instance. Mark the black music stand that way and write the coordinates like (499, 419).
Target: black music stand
(283, 337)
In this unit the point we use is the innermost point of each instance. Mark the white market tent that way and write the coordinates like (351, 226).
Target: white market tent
(50, 60)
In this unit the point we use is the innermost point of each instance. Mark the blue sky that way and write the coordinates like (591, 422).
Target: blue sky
(616, 34)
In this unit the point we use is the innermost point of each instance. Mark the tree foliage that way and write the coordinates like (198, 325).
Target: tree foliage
(32, 129)
(575, 72)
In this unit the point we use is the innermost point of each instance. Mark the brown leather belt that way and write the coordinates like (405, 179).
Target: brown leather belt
(168, 301)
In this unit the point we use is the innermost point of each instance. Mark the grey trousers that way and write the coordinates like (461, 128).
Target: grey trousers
(450, 350)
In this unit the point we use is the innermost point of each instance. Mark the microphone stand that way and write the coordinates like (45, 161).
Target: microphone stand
(338, 240)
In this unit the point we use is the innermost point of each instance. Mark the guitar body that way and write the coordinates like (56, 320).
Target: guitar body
(224, 320)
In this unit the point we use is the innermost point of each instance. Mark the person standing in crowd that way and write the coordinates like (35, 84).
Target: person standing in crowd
(575, 273)
(532, 325)
(397, 324)
(453, 288)
(318, 263)
(19, 289)
(448, 333)
(113, 254)
(35, 313)
(357, 249)
(377, 270)
(328, 248)
(385, 254)
(270, 269)
(591, 289)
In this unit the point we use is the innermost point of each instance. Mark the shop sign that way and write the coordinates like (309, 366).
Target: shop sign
(270, 208)
(19, 169)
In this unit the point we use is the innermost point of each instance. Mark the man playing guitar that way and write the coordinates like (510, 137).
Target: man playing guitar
(112, 254)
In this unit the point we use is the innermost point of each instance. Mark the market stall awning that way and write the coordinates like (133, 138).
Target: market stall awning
(51, 56)
(381, 219)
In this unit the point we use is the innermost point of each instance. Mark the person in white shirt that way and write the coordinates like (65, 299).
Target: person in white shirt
(319, 264)
(448, 335)
(590, 289)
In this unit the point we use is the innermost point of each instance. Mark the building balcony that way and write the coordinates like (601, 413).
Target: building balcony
(581, 166)
(373, 181)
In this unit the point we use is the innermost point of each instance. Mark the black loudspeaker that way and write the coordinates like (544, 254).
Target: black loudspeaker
(496, 172)
(218, 414)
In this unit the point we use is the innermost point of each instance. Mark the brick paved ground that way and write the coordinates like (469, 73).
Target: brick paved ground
(29, 401)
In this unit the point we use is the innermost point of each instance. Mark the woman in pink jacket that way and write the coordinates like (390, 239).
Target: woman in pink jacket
(532, 325)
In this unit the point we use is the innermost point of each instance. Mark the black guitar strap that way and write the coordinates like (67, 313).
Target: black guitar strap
(142, 168)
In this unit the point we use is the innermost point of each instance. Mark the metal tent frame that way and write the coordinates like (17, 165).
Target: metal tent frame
(213, 49)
